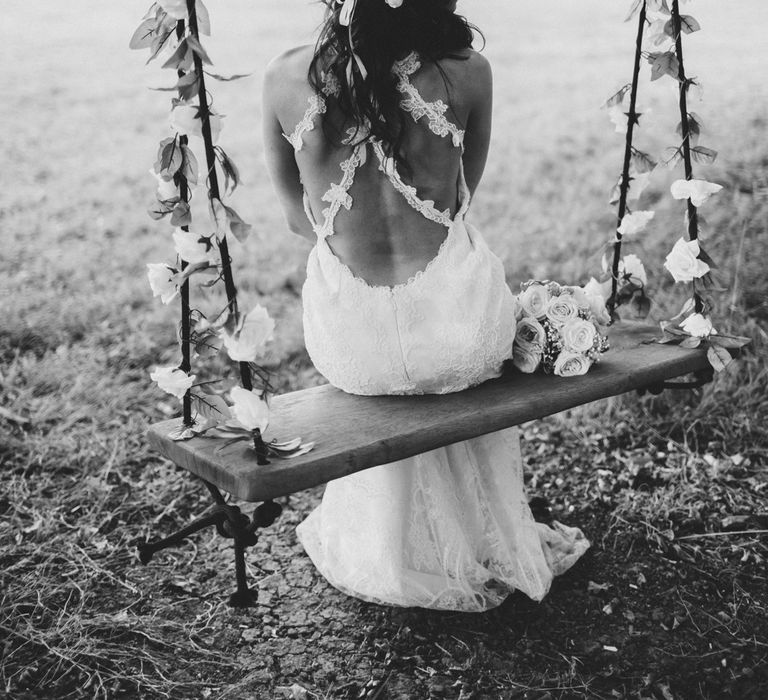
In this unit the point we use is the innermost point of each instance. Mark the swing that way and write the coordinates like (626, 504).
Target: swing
(352, 433)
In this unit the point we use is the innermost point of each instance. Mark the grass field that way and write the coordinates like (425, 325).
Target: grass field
(659, 485)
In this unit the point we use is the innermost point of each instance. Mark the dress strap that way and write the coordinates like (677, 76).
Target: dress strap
(317, 105)
(418, 107)
(338, 195)
(426, 207)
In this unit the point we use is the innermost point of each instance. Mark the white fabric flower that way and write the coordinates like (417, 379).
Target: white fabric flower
(570, 364)
(185, 120)
(249, 340)
(698, 326)
(166, 189)
(162, 279)
(534, 300)
(632, 265)
(698, 191)
(172, 380)
(249, 409)
(530, 335)
(189, 247)
(683, 262)
(596, 297)
(525, 359)
(635, 222)
(562, 308)
(578, 335)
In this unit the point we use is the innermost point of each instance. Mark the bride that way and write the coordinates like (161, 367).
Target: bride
(376, 139)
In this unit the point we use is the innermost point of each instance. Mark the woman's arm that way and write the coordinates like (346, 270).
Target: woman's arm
(477, 135)
(279, 155)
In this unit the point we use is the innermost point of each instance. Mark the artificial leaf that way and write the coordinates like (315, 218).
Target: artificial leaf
(657, 6)
(169, 158)
(688, 24)
(158, 43)
(642, 162)
(144, 35)
(203, 19)
(701, 154)
(718, 357)
(688, 307)
(198, 49)
(189, 164)
(227, 78)
(729, 341)
(690, 342)
(239, 228)
(665, 63)
(181, 432)
(212, 406)
(231, 173)
(188, 86)
(675, 154)
(703, 255)
(181, 215)
(160, 209)
(636, 5)
(181, 58)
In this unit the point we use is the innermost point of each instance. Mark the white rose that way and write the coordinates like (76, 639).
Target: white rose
(562, 309)
(249, 409)
(578, 335)
(635, 222)
(162, 279)
(530, 335)
(534, 300)
(698, 326)
(185, 120)
(190, 247)
(569, 364)
(683, 262)
(632, 265)
(698, 191)
(166, 189)
(172, 380)
(525, 359)
(249, 340)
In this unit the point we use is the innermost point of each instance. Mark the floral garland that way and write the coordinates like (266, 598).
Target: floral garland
(172, 29)
(687, 262)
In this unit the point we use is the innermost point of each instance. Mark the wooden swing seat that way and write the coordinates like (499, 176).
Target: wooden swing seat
(352, 433)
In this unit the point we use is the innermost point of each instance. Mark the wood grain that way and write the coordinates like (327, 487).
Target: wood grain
(352, 433)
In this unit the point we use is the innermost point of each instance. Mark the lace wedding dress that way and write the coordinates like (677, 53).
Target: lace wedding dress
(451, 528)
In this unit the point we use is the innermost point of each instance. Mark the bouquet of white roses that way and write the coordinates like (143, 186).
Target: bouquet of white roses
(558, 327)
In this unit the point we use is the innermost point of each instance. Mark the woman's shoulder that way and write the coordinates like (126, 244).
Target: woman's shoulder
(288, 68)
(467, 67)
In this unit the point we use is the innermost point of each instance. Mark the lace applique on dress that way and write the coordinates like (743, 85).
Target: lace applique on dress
(317, 105)
(418, 107)
(426, 207)
(338, 195)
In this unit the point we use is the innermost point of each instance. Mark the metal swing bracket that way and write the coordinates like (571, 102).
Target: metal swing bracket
(230, 522)
(701, 377)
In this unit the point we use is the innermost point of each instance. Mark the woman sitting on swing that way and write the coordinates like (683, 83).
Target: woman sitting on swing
(376, 139)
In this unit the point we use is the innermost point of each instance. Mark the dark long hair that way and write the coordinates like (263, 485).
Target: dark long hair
(381, 35)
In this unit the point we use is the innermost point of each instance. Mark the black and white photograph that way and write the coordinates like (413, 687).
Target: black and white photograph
(384, 350)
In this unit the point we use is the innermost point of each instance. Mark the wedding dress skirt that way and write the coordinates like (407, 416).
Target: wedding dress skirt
(450, 528)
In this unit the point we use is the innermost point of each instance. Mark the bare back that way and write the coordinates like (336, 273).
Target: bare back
(383, 238)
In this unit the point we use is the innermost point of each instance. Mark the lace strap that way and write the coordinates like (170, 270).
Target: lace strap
(418, 107)
(317, 105)
(338, 195)
(426, 207)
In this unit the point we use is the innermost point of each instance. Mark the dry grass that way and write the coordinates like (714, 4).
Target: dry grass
(79, 333)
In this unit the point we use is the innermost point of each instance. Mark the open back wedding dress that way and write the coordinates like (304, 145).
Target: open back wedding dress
(451, 528)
